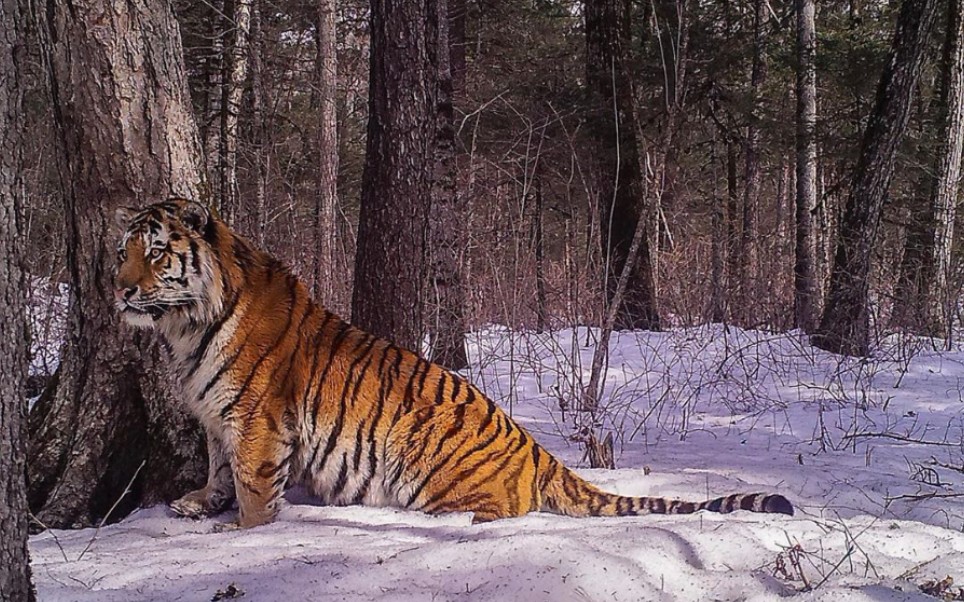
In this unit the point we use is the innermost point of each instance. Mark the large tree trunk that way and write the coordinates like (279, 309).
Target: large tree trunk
(804, 302)
(14, 560)
(127, 136)
(944, 198)
(447, 238)
(326, 199)
(845, 325)
(390, 261)
(616, 165)
(922, 301)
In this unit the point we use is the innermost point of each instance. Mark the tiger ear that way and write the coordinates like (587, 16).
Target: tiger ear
(123, 217)
(195, 216)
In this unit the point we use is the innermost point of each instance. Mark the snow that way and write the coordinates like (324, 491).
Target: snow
(697, 412)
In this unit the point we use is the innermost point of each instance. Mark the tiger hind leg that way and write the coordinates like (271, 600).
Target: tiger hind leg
(462, 458)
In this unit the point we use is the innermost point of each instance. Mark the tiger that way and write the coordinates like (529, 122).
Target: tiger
(289, 393)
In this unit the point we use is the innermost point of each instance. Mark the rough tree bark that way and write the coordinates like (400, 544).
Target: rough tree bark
(447, 239)
(14, 560)
(804, 301)
(326, 197)
(390, 260)
(616, 165)
(845, 323)
(922, 300)
(127, 135)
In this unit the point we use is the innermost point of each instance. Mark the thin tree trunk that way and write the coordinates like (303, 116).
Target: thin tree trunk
(14, 558)
(390, 260)
(235, 73)
(447, 238)
(922, 301)
(618, 178)
(804, 302)
(213, 97)
(717, 302)
(542, 308)
(326, 197)
(751, 181)
(910, 309)
(733, 227)
(125, 140)
(845, 323)
(674, 50)
(457, 42)
(600, 357)
(259, 125)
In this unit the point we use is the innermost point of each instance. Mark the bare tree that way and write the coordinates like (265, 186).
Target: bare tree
(845, 323)
(14, 560)
(804, 302)
(616, 165)
(127, 136)
(259, 130)
(447, 239)
(390, 260)
(214, 33)
(233, 79)
(922, 299)
(457, 42)
(748, 255)
(539, 244)
(716, 301)
(326, 199)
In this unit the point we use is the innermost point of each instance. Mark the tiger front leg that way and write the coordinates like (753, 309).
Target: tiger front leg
(218, 493)
(260, 473)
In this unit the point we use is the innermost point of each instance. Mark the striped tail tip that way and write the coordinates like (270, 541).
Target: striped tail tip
(753, 502)
(777, 504)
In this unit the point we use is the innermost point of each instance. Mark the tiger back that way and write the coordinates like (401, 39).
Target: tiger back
(288, 392)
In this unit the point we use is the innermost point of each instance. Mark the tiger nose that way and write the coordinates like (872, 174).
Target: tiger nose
(124, 294)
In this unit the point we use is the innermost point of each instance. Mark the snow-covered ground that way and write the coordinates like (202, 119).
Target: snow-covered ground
(871, 452)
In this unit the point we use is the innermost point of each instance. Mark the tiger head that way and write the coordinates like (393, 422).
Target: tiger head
(165, 266)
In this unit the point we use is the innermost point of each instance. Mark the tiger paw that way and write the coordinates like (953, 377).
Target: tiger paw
(193, 505)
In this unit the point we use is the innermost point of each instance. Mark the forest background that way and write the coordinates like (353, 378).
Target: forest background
(435, 166)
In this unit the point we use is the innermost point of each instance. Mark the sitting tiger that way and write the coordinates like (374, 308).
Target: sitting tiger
(289, 392)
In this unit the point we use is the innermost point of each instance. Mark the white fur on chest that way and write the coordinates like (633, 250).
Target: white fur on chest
(210, 387)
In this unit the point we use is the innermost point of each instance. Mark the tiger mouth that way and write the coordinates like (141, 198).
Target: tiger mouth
(153, 311)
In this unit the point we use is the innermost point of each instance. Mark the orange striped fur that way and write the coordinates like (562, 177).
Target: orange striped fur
(290, 393)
